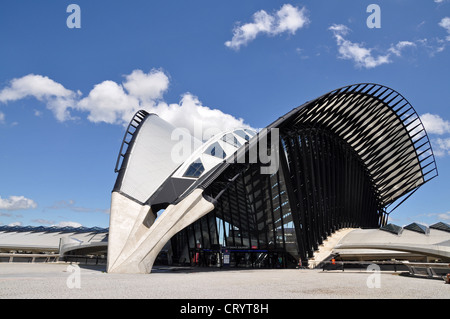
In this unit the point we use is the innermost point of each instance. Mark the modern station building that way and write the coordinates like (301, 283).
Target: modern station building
(346, 159)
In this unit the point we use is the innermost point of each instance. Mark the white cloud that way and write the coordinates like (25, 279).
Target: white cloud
(361, 56)
(15, 224)
(441, 146)
(288, 19)
(190, 113)
(339, 29)
(33, 85)
(116, 103)
(147, 87)
(17, 203)
(444, 216)
(434, 124)
(108, 102)
(445, 23)
(433, 45)
(68, 224)
(440, 216)
(52, 223)
(437, 44)
(397, 48)
(57, 98)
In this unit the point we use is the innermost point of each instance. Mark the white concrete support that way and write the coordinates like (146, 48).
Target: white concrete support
(126, 217)
(136, 244)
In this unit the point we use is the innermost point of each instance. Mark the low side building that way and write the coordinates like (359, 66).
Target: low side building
(414, 242)
(28, 243)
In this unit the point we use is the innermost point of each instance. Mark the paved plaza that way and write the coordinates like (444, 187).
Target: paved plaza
(48, 280)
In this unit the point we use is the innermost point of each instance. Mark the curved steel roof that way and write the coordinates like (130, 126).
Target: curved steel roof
(382, 127)
(379, 124)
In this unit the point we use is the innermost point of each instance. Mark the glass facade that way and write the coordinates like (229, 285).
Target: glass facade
(195, 169)
(280, 219)
(252, 222)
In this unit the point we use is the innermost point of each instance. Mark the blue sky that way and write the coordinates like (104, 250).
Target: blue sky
(66, 93)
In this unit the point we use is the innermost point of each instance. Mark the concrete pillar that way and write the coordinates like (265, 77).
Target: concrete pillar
(138, 245)
(123, 215)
